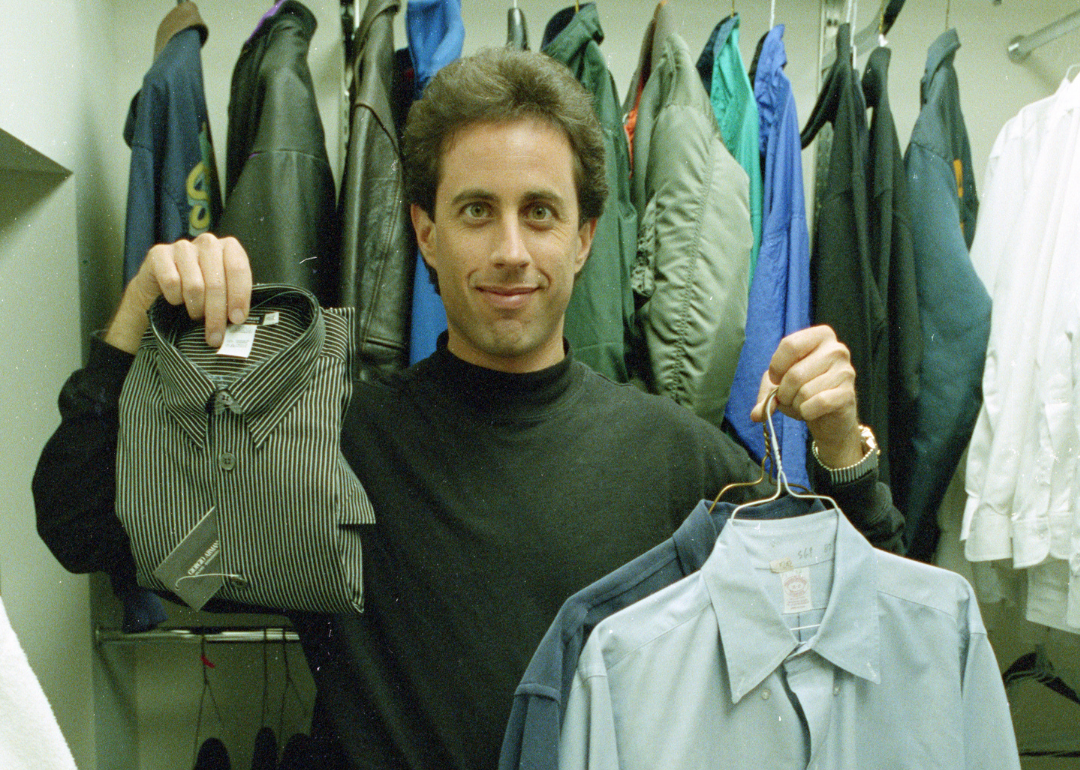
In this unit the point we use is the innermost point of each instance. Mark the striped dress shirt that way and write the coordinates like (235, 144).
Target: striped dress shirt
(253, 443)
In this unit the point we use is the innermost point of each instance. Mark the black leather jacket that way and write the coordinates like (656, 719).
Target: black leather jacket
(280, 198)
(377, 258)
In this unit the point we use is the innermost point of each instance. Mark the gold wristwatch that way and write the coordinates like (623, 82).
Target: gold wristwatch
(868, 463)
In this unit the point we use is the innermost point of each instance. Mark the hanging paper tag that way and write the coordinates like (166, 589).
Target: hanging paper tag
(192, 570)
(238, 340)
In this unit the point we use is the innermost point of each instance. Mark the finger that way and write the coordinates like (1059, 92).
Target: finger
(237, 280)
(209, 251)
(830, 360)
(795, 347)
(161, 274)
(757, 414)
(191, 291)
(829, 393)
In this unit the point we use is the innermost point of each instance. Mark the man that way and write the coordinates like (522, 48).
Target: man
(504, 475)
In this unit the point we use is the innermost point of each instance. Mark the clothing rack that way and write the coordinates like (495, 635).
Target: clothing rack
(209, 634)
(867, 38)
(1022, 45)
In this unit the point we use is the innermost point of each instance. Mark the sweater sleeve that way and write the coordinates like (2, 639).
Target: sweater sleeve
(74, 485)
(868, 505)
(866, 502)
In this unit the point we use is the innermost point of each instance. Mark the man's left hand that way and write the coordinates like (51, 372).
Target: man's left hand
(815, 382)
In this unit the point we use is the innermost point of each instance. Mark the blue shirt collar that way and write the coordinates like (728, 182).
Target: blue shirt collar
(755, 640)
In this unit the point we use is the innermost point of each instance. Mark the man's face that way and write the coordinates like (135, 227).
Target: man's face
(505, 242)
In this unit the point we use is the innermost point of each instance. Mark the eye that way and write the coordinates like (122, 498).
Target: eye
(475, 210)
(540, 212)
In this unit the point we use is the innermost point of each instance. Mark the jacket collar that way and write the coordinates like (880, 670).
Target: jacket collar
(719, 37)
(756, 641)
(768, 79)
(567, 32)
(181, 17)
(282, 9)
(373, 11)
(875, 79)
(941, 54)
(261, 393)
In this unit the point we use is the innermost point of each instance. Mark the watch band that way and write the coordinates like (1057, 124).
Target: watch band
(847, 474)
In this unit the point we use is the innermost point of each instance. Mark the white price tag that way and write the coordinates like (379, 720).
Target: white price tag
(238, 340)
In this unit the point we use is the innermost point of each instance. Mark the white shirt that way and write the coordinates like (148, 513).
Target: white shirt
(1024, 453)
(709, 673)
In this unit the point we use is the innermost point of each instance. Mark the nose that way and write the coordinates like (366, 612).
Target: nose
(510, 249)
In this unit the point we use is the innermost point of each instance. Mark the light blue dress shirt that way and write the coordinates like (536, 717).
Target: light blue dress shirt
(797, 645)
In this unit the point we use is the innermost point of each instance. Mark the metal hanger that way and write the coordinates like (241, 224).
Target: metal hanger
(773, 448)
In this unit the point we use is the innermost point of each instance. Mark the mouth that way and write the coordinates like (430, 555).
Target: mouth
(507, 297)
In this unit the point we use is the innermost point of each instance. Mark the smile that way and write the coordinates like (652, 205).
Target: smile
(507, 297)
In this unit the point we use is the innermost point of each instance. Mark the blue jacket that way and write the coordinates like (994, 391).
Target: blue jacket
(173, 189)
(436, 35)
(780, 289)
(954, 306)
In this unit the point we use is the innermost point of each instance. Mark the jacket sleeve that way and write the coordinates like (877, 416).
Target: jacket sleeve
(74, 485)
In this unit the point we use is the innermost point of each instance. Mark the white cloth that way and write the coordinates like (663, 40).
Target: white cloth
(1023, 459)
(891, 667)
(30, 738)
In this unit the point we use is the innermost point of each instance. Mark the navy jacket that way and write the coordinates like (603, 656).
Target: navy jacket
(845, 295)
(173, 189)
(892, 261)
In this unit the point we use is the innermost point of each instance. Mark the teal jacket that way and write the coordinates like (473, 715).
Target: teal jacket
(724, 75)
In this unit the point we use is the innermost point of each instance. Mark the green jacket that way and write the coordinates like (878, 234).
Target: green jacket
(601, 311)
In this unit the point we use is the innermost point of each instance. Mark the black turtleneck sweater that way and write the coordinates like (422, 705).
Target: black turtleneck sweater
(497, 496)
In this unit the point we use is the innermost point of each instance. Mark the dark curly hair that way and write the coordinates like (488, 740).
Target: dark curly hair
(497, 85)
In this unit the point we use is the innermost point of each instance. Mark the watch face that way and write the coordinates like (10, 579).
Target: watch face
(868, 439)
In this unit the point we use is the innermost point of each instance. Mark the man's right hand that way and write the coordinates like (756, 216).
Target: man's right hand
(210, 276)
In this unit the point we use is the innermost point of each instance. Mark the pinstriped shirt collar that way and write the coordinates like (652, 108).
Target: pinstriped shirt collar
(261, 393)
(756, 641)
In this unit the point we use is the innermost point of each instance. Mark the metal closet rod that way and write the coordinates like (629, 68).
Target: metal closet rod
(215, 635)
(1022, 45)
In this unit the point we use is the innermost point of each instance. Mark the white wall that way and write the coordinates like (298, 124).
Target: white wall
(71, 67)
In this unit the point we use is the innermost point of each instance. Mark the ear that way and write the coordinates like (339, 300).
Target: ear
(424, 228)
(585, 238)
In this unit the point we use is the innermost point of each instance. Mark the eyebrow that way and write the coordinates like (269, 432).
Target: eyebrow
(477, 193)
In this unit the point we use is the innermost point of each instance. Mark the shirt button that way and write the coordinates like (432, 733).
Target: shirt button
(836, 690)
(227, 461)
(764, 694)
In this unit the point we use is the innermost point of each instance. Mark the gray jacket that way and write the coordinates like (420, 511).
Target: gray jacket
(694, 236)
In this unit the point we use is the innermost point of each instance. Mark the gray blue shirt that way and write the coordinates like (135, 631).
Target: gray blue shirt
(797, 645)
